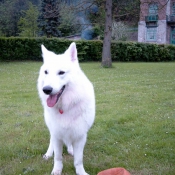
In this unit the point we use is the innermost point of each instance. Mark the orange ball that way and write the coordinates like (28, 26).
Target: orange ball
(114, 171)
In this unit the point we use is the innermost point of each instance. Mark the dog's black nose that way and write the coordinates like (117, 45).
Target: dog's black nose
(47, 90)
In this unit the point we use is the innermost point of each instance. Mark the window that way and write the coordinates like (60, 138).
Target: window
(153, 8)
(172, 35)
(151, 33)
(173, 9)
(151, 24)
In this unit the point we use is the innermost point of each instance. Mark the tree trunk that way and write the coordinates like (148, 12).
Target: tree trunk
(106, 54)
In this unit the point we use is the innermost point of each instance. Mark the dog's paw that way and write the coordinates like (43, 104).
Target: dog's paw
(56, 172)
(83, 174)
(46, 157)
(80, 170)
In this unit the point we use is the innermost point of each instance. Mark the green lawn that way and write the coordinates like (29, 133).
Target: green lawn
(134, 126)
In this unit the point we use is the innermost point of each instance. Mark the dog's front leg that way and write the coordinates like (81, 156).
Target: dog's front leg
(49, 152)
(58, 149)
(78, 147)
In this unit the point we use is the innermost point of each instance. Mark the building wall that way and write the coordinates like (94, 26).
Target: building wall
(163, 29)
(141, 31)
(144, 6)
(161, 32)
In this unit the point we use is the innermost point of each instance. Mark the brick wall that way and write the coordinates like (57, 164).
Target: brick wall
(171, 4)
(145, 6)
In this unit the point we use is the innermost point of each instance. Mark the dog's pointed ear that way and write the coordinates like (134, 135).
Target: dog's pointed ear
(72, 51)
(43, 49)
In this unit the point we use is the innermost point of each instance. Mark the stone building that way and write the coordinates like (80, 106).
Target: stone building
(157, 21)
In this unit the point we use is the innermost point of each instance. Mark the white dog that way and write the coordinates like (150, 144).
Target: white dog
(69, 106)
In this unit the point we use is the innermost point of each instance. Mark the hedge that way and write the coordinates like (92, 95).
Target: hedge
(13, 48)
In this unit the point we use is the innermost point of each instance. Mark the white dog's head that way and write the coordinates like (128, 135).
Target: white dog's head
(56, 72)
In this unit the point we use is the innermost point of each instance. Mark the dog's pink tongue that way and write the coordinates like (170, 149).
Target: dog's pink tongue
(51, 101)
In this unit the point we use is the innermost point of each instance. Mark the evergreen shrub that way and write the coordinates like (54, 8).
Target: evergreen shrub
(20, 49)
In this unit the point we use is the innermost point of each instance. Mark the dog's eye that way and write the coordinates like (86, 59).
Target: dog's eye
(46, 72)
(61, 72)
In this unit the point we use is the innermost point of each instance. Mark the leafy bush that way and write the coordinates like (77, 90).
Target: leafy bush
(30, 49)
(134, 51)
(119, 31)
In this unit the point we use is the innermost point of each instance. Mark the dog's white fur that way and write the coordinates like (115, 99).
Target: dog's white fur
(77, 103)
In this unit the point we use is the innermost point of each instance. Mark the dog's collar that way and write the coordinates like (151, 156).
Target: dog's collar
(60, 111)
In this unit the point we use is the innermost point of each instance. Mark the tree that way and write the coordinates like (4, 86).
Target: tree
(10, 12)
(49, 19)
(115, 10)
(68, 20)
(28, 24)
(72, 16)
(35, 2)
(81, 23)
(106, 53)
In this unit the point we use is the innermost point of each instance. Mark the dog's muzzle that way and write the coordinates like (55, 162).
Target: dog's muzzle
(52, 98)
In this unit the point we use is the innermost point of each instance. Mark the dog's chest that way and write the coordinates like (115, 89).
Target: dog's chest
(66, 126)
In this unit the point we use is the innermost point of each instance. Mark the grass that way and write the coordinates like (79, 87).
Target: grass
(134, 126)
